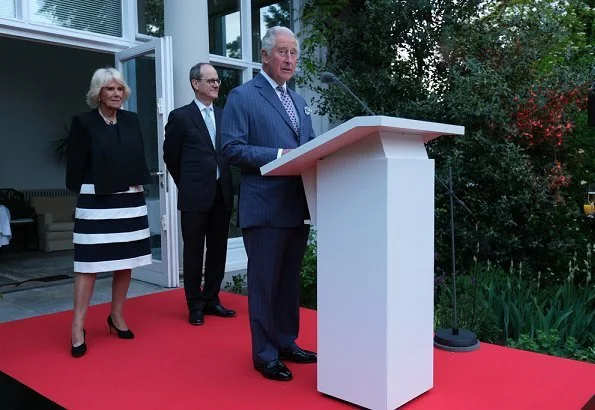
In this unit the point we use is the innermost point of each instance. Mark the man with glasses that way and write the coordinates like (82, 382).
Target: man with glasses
(205, 198)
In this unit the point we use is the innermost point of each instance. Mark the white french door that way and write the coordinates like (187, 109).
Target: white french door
(148, 70)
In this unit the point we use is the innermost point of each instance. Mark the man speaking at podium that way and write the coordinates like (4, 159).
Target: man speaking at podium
(262, 120)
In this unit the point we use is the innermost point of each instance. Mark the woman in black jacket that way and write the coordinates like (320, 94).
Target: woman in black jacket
(106, 166)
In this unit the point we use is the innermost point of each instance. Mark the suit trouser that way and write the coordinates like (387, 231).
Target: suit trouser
(274, 262)
(196, 226)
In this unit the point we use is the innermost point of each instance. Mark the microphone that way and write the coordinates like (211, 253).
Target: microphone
(330, 78)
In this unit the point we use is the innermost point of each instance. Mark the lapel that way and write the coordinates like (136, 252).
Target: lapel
(199, 122)
(271, 96)
(218, 113)
(125, 126)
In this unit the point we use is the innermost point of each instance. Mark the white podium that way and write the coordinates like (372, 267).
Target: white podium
(370, 190)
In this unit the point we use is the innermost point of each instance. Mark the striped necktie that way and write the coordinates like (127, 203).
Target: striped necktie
(211, 127)
(286, 100)
(210, 124)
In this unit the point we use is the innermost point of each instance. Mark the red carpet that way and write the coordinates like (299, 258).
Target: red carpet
(172, 365)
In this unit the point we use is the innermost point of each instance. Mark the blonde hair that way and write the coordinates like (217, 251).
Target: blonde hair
(100, 78)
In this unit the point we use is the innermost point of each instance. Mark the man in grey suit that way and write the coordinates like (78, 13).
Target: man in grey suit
(262, 120)
(205, 198)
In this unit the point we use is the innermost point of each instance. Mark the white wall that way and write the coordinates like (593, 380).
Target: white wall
(41, 87)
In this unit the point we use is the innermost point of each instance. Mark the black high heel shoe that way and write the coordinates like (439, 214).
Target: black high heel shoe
(78, 351)
(122, 334)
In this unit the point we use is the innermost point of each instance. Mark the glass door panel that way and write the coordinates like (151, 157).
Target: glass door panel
(140, 76)
(147, 69)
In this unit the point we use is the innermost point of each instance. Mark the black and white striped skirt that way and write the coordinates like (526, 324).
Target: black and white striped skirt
(111, 232)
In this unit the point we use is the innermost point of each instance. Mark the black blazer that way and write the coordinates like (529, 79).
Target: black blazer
(192, 160)
(112, 163)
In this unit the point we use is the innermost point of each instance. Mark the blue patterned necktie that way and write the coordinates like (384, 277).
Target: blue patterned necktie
(211, 127)
(210, 124)
(286, 100)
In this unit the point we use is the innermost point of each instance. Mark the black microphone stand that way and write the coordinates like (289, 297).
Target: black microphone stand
(454, 339)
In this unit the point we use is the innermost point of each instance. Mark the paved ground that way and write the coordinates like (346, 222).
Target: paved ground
(35, 298)
(40, 300)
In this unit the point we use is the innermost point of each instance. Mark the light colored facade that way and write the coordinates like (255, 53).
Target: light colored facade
(50, 48)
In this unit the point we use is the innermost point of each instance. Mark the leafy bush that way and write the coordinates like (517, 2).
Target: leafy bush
(308, 273)
(515, 74)
(501, 307)
(237, 285)
(550, 342)
(473, 311)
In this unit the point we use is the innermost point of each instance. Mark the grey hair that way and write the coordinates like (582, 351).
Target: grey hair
(195, 72)
(270, 38)
(100, 78)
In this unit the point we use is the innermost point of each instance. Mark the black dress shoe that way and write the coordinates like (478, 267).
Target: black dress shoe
(80, 350)
(274, 370)
(196, 318)
(298, 355)
(122, 334)
(219, 310)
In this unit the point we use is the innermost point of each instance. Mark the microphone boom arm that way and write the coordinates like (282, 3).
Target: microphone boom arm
(355, 96)
(330, 78)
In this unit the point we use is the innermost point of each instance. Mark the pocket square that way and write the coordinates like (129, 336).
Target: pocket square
(307, 110)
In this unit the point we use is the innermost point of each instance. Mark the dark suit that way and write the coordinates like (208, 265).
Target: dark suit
(205, 202)
(272, 210)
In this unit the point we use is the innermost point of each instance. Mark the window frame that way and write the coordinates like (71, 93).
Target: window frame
(245, 64)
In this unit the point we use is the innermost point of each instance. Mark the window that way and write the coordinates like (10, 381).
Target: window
(225, 37)
(150, 17)
(230, 78)
(8, 9)
(101, 17)
(267, 14)
(238, 61)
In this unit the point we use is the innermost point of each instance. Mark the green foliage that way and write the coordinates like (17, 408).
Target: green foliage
(237, 284)
(550, 342)
(472, 312)
(308, 273)
(522, 308)
(503, 306)
(477, 64)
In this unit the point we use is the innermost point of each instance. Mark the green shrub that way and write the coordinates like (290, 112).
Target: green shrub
(503, 307)
(549, 342)
(473, 311)
(237, 285)
(308, 273)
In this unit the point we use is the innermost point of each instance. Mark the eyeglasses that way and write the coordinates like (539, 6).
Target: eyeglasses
(211, 81)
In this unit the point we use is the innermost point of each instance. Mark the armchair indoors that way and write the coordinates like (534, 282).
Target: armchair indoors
(55, 222)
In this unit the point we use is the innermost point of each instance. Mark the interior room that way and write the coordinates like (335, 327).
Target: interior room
(43, 86)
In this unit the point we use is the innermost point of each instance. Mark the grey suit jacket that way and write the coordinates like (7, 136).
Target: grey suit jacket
(254, 127)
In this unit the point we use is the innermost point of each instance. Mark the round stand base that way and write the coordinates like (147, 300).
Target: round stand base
(464, 341)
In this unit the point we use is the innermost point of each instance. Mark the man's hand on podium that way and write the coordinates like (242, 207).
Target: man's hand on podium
(285, 151)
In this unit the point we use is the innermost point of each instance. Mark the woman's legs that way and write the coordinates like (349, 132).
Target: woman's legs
(120, 284)
(83, 290)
